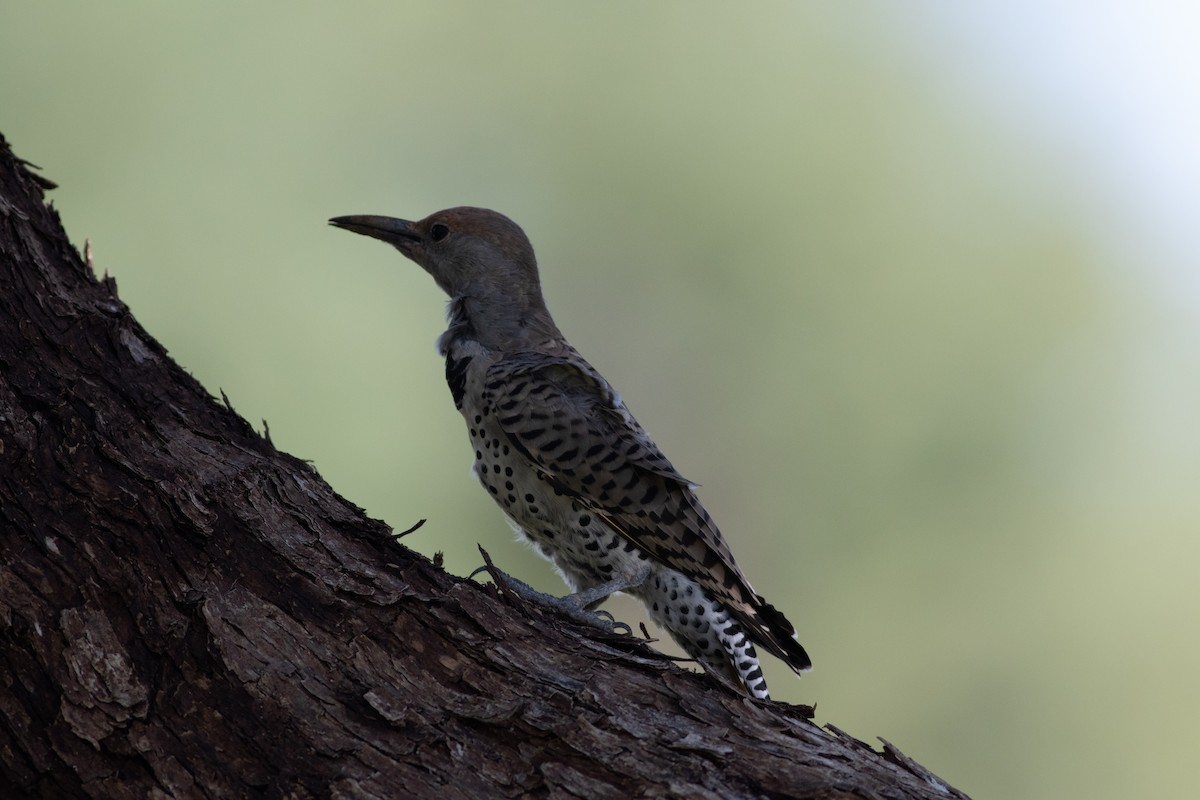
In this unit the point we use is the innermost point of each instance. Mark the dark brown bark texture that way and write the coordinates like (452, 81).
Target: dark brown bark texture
(187, 612)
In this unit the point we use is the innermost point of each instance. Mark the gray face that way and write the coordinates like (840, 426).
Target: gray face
(480, 258)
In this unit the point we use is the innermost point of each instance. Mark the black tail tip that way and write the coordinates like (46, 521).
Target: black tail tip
(785, 637)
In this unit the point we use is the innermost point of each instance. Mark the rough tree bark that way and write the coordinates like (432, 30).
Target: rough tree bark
(185, 611)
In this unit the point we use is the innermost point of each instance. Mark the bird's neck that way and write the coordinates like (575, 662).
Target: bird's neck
(502, 328)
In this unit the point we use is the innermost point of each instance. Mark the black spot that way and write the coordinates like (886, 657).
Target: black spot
(585, 520)
(552, 445)
(593, 451)
(651, 493)
(478, 419)
(508, 484)
(496, 468)
(593, 545)
(532, 433)
(529, 498)
(478, 455)
(569, 455)
(730, 578)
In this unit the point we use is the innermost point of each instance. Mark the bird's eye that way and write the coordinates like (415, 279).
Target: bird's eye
(438, 232)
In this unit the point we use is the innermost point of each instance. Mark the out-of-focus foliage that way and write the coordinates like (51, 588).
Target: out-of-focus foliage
(895, 314)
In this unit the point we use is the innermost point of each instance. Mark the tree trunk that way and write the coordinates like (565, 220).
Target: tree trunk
(187, 612)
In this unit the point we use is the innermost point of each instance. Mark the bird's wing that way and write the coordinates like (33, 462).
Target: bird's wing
(565, 418)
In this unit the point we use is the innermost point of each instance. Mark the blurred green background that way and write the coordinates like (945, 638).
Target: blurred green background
(911, 289)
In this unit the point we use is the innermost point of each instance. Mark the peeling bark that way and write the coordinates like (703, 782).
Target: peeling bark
(187, 612)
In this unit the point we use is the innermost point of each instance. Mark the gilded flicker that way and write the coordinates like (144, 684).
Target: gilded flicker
(572, 469)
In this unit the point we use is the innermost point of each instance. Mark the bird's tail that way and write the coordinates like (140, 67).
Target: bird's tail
(778, 636)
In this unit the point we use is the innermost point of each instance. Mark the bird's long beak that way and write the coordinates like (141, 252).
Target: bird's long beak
(389, 229)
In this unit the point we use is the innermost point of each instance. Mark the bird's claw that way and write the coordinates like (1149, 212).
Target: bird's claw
(614, 624)
(572, 605)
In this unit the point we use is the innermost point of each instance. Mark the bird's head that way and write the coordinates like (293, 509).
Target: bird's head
(479, 257)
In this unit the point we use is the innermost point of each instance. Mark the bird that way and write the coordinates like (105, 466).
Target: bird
(556, 447)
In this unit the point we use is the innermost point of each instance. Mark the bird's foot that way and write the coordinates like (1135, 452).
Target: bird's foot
(577, 606)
